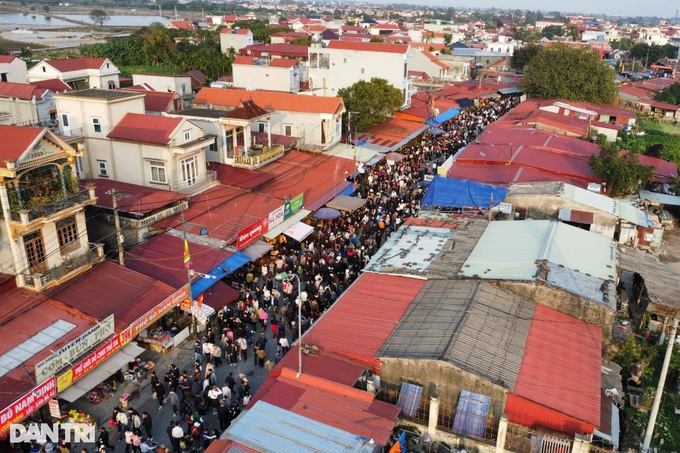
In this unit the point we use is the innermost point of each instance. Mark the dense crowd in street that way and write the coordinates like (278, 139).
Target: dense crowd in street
(326, 262)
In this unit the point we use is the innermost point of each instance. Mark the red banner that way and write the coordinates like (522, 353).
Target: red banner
(159, 310)
(252, 232)
(27, 404)
(102, 353)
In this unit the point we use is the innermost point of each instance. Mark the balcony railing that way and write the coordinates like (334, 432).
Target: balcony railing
(147, 221)
(37, 280)
(72, 134)
(34, 211)
(259, 156)
(196, 184)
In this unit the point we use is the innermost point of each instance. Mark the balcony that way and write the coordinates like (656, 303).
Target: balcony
(195, 185)
(258, 155)
(43, 207)
(71, 135)
(38, 281)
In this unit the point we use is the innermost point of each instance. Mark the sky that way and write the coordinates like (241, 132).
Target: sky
(660, 8)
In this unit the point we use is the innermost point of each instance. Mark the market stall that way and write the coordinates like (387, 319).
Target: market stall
(157, 338)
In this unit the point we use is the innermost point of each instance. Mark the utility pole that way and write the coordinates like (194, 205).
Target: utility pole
(659, 389)
(191, 297)
(119, 234)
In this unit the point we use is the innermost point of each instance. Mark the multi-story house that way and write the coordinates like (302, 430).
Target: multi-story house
(12, 69)
(278, 74)
(344, 63)
(44, 240)
(178, 83)
(78, 73)
(235, 38)
(27, 104)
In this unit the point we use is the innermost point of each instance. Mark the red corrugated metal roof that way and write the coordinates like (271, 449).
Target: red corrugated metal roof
(16, 140)
(369, 46)
(219, 295)
(362, 319)
(580, 216)
(327, 365)
(159, 101)
(532, 415)
(76, 64)
(161, 258)
(286, 49)
(7, 58)
(110, 288)
(337, 405)
(270, 100)
(22, 91)
(54, 85)
(507, 174)
(239, 177)
(152, 129)
(133, 198)
(562, 365)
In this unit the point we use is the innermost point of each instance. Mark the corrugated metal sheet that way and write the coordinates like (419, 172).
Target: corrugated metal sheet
(363, 318)
(267, 428)
(131, 197)
(576, 216)
(660, 280)
(471, 414)
(511, 250)
(338, 405)
(532, 415)
(561, 365)
(476, 326)
(605, 204)
(592, 288)
(661, 198)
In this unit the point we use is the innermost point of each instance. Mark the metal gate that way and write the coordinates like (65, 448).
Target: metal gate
(549, 444)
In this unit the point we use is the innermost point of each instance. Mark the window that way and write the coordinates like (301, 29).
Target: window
(319, 60)
(187, 135)
(261, 127)
(44, 69)
(103, 169)
(362, 70)
(64, 119)
(107, 66)
(189, 170)
(4, 76)
(67, 232)
(288, 129)
(157, 171)
(35, 251)
(212, 147)
(337, 126)
(96, 125)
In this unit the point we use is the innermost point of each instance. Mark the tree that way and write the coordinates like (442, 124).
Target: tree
(376, 39)
(623, 174)
(669, 95)
(569, 73)
(448, 37)
(551, 31)
(646, 53)
(157, 44)
(301, 41)
(522, 56)
(99, 16)
(370, 102)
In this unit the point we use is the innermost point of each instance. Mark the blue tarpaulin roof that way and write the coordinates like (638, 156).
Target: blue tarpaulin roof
(225, 268)
(439, 119)
(456, 193)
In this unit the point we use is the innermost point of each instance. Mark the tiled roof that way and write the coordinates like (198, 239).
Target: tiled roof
(246, 110)
(183, 24)
(22, 91)
(16, 140)
(110, 288)
(133, 199)
(158, 101)
(283, 63)
(244, 59)
(54, 85)
(292, 50)
(434, 59)
(76, 64)
(7, 58)
(369, 46)
(151, 129)
(270, 100)
(561, 368)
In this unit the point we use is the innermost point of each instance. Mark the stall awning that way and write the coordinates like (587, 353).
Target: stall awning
(257, 249)
(225, 268)
(289, 222)
(323, 199)
(219, 295)
(345, 203)
(299, 231)
(110, 366)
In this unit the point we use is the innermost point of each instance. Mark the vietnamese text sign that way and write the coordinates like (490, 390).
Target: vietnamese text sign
(505, 208)
(55, 412)
(159, 310)
(74, 349)
(27, 404)
(275, 217)
(250, 234)
(293, 206)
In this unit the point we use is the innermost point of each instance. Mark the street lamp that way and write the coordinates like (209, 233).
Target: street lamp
(286, 276)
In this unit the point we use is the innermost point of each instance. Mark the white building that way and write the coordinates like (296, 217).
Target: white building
(424, 61)
(180, 83)
(12, 69)
(27, 104)
(78, 73)
(278, 75)
(344, 63)
(235, 38)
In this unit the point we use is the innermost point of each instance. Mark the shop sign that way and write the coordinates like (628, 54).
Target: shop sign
(27, 404)
(159, 310)
(55, 412)
(292, 206)
(201, 313)
(276, 217)
(76, 348)
(250, 234)
(505, 208)
(185, 305)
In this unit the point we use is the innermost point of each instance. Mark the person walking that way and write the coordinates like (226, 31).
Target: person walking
(104, 440)
(147, 424)
(214, 395)
(160, 394)
(223, 414)
(198, 351)
(173, 399)
(216, 354)
(177, 435)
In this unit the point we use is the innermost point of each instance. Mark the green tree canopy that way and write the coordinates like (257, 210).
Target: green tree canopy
(301, 41)
(670, 95)
(571, 73)
(551, 31)
(261, 31)
(370, 102)
(522, 56)
(99, 16)
(623, 174)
